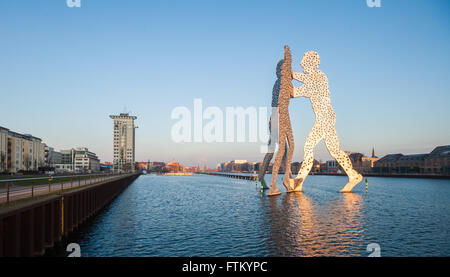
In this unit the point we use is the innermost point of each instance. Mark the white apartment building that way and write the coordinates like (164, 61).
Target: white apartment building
(23, 152)
(15, 154)
(34, 156)
(3, 149)
(80, 160)
(86, 160)
(124, 142)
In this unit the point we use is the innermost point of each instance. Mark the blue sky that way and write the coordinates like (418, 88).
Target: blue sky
(64, 70)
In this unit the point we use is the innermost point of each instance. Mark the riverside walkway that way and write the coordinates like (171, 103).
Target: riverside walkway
(12, 190)
(29, 228)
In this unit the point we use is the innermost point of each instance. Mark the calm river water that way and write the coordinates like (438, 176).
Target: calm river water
(216, 216)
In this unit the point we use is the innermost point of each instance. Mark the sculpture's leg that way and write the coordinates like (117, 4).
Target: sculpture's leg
(288, 182)
(332, 143)
(263, 169)
(276, 165)
(284, 160)
(314, 136)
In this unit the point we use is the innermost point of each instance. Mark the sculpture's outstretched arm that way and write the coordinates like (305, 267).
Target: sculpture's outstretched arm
(287, 57)
(299, 76)
(300, 91)
(286, 68)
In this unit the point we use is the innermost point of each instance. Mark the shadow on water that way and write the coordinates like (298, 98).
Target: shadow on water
(60, 247)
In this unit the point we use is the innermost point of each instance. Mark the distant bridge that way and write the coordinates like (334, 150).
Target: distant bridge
(234, 176)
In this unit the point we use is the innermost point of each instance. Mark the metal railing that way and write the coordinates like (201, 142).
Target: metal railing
(13, 191)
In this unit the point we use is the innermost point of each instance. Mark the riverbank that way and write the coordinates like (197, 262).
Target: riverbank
(31, 227)
(387, 175)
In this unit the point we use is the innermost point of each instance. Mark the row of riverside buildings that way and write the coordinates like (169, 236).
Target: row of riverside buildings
(26, 153)
(172, 167)
(436, 163)
(20, 152)
(77, 160)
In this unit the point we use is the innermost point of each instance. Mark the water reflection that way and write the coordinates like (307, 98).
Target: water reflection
(300, 227)
(215, 216)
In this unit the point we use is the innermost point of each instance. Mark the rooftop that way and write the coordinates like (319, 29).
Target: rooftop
(440, 151)
(24, 136)
(412, 157)
(123, 115)
(437, 152)
(390, 158)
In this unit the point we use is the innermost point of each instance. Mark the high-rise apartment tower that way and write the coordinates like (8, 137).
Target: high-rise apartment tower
(124, 142)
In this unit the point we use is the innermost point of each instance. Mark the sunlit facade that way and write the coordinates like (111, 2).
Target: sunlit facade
(20, 152)
(124, 142)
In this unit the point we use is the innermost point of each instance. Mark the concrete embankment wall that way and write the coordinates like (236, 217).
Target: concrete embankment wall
(29, 228)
